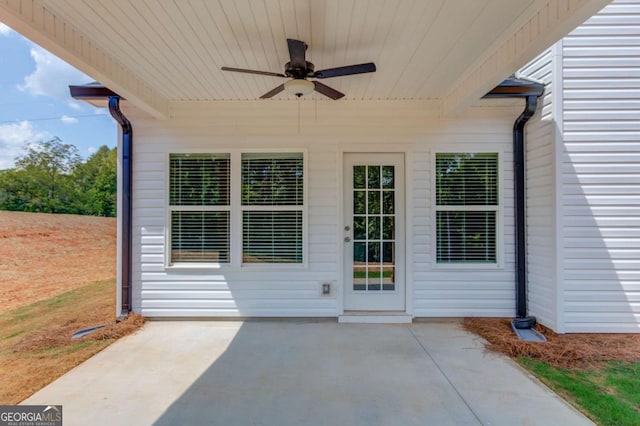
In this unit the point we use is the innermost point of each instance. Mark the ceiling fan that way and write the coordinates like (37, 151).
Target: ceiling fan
(298, 69)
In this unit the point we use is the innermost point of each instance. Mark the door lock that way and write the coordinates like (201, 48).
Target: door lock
(346, 228)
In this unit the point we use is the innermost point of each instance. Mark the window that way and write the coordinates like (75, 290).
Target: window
(199, 204)
(262, 212)
(467, 207)
(272, 208)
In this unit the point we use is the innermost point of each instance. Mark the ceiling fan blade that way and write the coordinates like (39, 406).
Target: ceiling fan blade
(273, 92)
(297, 50)
(327, 91)
(348, 70)
(272, 74)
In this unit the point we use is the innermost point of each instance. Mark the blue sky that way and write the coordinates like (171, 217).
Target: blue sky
(35, 104)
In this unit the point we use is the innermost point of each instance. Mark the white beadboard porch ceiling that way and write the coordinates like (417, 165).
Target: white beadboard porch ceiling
(158, 51)
(420, 47)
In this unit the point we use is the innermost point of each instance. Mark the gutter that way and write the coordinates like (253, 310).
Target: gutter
(530, 91)
(95, 93)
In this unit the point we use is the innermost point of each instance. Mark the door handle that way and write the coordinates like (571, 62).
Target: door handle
(347, 239)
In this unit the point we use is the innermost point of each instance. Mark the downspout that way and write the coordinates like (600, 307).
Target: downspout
(127, 135)
(531, 104)
(529, 90)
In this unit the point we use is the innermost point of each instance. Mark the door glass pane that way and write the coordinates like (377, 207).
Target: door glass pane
(359, 202)
(359, 228)
(388, 252)
(388, 178)
(373, 278)
(359, 176)
(388, 278)
(388, 202)
(373, 173)
(388, 228)
(359, 278)
(374, 228)
(374, 202)
(373, 256)
(359, 250)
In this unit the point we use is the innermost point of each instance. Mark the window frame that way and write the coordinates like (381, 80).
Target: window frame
(193, 208)
(498, 209)
(272, 208)
(236, 209)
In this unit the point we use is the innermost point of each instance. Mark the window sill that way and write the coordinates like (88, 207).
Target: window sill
(467, 266)
(265, 267)
(197, 266)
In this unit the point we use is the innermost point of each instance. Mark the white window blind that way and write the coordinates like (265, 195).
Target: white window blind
(272, 237)
(272, 207)
(466, 207)
(199, 203)
(199, 237)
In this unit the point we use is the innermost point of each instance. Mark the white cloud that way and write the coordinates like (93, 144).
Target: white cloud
(13, 137)
(4, 30)
(92, 150)
(68, 120)
(52, 76)
(74, 104)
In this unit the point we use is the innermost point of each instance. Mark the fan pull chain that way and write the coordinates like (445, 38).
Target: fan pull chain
(298, 115)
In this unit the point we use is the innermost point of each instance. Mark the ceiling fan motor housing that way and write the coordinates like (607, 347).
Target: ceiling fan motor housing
(299, 72)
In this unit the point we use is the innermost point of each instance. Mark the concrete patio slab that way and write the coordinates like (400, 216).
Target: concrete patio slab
(302, 373)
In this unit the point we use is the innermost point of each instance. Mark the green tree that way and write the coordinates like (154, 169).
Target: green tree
(95, 182)
(16, 190)
(42, 176)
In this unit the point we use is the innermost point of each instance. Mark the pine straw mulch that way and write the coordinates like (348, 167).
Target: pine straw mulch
(569, 351)
(57, 336)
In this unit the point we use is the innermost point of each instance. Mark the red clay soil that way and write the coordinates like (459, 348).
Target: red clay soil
(43, 255)
(561, 350)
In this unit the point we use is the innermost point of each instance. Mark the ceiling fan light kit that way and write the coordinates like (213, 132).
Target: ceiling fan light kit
(298, 69)
(299, 87)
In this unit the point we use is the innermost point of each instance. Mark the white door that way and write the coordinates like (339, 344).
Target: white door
(374, 232)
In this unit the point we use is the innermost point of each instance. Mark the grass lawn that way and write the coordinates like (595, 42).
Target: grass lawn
(609, 395)
(598, 373)
(35, 339)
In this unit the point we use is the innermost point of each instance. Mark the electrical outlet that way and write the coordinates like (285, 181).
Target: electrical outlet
(326, 288)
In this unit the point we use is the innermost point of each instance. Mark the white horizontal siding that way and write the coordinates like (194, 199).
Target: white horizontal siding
(451, 292)
(409, 127)
(540, 193)
(600, 164)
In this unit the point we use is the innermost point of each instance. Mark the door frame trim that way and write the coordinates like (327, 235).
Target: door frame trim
(382, 148)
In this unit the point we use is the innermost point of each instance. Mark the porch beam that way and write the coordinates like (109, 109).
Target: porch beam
(33, 20)
(549, 21)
